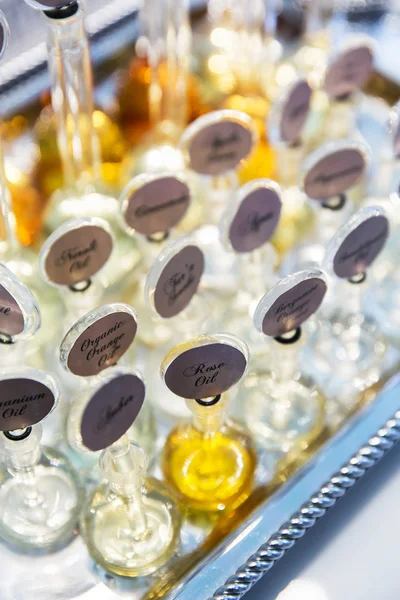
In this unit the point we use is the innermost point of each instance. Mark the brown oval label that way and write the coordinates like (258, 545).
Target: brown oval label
(111, 411)
(205, 371)
(78, 255)
(179, 281)
(293, 307)
(102, 344)
(23, 402)
(11, 317)
(334, 174)
(256, 220)
(361, 247)
(220, 147)
(295, 112)
(158, 205)
(396, 140)
(348, 72)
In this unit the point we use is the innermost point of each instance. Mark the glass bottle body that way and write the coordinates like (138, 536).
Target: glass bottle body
(40, 495)
(210, 463)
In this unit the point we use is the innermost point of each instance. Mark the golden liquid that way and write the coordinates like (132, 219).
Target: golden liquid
(210, 472)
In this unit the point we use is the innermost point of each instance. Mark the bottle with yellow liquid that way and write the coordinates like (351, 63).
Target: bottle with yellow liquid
(210, 462)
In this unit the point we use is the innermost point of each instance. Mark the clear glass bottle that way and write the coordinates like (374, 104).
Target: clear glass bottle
(210, 462)
(348, 338)
(39, 490)
(167, 34)
(130, 524)
(332, 178)
(283, 407)
(83, 192)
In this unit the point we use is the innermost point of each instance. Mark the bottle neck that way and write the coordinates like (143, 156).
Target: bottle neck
(72, 100)
(8, 231)
(209, 419)
(22, 454)
(167, 28)
(315, 32)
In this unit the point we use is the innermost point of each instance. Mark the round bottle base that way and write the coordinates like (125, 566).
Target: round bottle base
(282, 415)
(114, 537)
(41, 513)
(210, 473)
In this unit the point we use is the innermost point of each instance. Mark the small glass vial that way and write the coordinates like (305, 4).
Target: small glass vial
(247, 224)
(211, 461)
(130, 523)
(347, 338)
(283, 407)
(39, 491)
(329, 177)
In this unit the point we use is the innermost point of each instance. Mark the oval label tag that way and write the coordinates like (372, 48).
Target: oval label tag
(361, 247)
(12, 320)
(205, 371)
(349, 71)
(256, 220)
(178, 281)
(78, 254)
(295, 111)
(334, 174)
(102, 344)
(23, 402)
(111, 411)
(3, 35)
(157, 206)
(396, 141)
(293, 307)
(220, 147)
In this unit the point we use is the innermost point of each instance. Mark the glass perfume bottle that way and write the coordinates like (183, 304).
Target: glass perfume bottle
(247, 225)
(283, 406)
(330, 177)
(83, 193)
(130, 523)
(287, 120)
(167, 34)
(213, 147)
(39, 490)
(386, 173)
(20, 319)
(346, 353)
(210, 462)
(312, 56)
(177, 308)
(151, 206)
(346, 72)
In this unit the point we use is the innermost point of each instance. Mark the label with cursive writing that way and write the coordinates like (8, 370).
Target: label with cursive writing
(334, 174)
(396, 140)
(220, 147)
(205, 371)
(348, 72)
(256, 220)
(179, 281)
(23, 402)
(158, 205)
(78, 254)
(102, 344)
(11, 317)
(293, 307)
(361, 247)
(295, 112)
(111, 411)
(3, 39)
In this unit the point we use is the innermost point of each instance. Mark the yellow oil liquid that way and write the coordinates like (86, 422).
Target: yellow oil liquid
(210, 471)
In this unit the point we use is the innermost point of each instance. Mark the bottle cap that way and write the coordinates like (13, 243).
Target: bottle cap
(19, 311)
(289, 113)
(27, 396)
(154, 203)
(174, 278)
(290, 302)
(98, 339)
(252, 216)
(76, 251)
(205, 366)
(217, 142)
(357, 243)
(112, 408)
